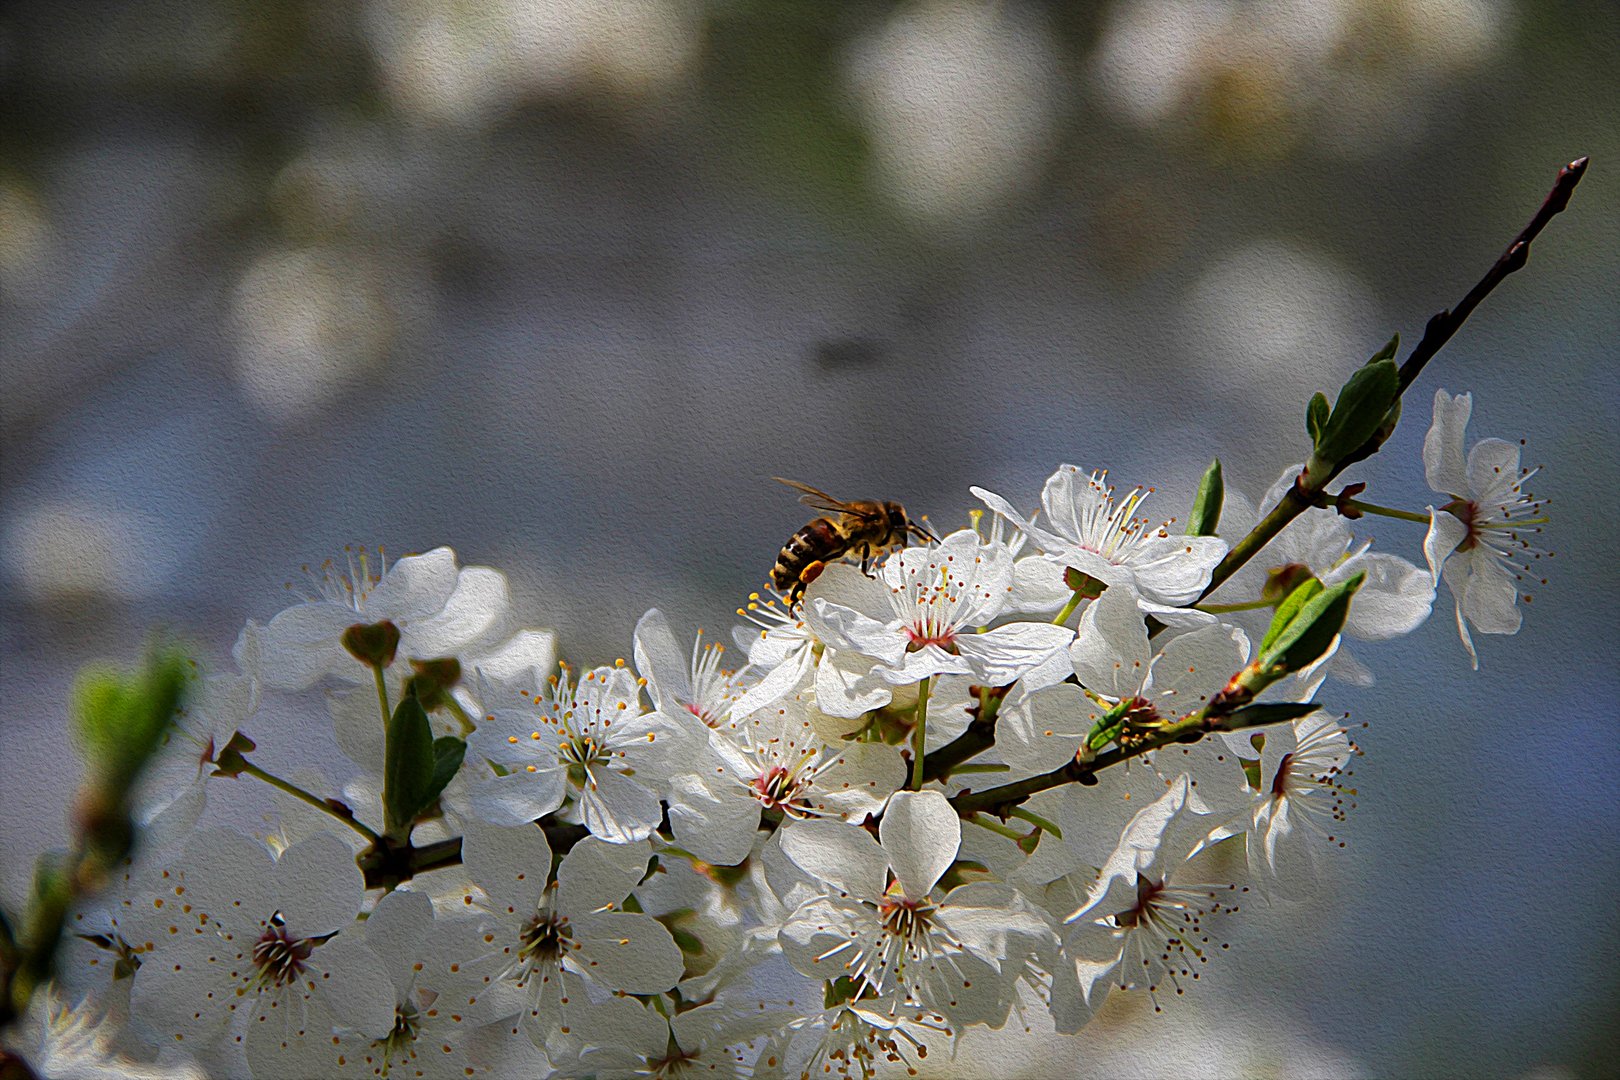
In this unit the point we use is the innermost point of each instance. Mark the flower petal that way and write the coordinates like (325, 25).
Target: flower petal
(319, 889)
(846, 858)
(1493, 469)
(1001, 655)
(1443, 445)
(511, 865)
(921, 835)
(1446, 531)
(596, 875)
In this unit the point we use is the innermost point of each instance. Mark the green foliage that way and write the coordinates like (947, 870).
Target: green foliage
(1205, 516)
(408, 767)
(120, 718)
(1307, 634)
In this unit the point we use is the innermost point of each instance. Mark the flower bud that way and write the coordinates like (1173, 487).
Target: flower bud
(373, 644)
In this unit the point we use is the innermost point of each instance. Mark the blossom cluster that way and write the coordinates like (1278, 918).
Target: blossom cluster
(1042, 759)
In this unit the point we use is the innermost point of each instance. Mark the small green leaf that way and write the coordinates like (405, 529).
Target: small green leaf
(1205, 516)
(1316, 417)
(1269, 713)
(1363, 404)
(1288, 609)
(1388, 352)
(120, 718)
(1313, 629)
(408, 766)
(1106, 729)
(230, 760)
(448, 752)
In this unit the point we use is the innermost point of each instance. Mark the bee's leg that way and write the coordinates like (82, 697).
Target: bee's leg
(866, 559)
(810, 572)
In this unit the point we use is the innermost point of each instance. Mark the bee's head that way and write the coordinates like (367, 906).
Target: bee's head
(902, 528)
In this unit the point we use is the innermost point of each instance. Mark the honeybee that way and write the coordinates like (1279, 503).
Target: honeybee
(867, 526)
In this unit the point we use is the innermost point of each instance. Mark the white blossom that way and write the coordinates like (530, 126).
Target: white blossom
(260, 949)
(1147, 920)
(960, 954)
(1478, 541)
(555, 947)
(439, 610)
(919, 620)
(1088, 531)
(775, 761)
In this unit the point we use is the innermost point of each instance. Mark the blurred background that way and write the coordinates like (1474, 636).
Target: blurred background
(563, 284)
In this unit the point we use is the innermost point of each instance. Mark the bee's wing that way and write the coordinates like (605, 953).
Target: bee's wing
(815, 498)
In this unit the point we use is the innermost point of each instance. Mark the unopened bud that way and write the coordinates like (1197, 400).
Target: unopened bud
(373, 644)
(433, 680)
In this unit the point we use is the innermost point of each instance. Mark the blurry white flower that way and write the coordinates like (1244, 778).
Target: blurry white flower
(959, 100)
(172, 789)
(1477, 540)
(438, 609)
(59, 1041)
(589, 740)
(263, 941)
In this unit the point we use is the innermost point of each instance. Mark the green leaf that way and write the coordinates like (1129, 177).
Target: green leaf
(1388, 352)
(1313, 629)
(1205, 516)
(1269, 713)
(120, 718)
(448, 752)
(408, 767)
(1288, 610)
(1363, 404)
(1316, 417)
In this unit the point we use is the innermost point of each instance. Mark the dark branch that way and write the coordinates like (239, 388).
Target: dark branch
(1446, 323)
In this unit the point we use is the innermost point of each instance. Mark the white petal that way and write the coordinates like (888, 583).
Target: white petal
(397, 930)
(356, 984)
(1446, 531)
(1001, 655)
(526, 658)
(1174, 569)
(715, 821)
(478, 603)
(1110, 651)
(1443, 445)
(319, 889)
(846, 686)
(920, 834)
(659, 658)
(1194, 667)
(843, 856)
(846, 586)
(1042, 731)
(596, 874)
(518, 797)
(414, 587)
(782, 680)
(304, 643)
(629, 951)
(511, 865)
(846, 628)
(617, 808)
(1395, 598)
(1493, 469)
(1490, 597)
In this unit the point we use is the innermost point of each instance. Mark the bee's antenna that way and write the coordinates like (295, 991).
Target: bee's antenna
(920, 527)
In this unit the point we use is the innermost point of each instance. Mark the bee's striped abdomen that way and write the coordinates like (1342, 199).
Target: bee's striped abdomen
(815, 543)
